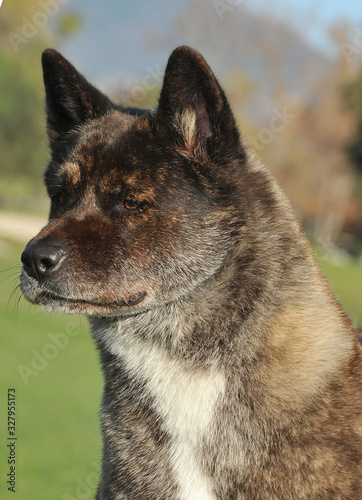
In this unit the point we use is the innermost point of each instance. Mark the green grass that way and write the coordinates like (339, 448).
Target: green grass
(346, 282)
(57, 400)
(59, 445)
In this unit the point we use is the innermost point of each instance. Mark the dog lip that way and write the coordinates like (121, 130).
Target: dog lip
(132, 300)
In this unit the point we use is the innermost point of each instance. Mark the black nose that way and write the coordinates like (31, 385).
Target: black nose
(42, 259)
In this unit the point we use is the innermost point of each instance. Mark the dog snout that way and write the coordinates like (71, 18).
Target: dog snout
(42, 259)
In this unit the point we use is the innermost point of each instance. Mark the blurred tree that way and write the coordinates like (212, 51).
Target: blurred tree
(353, 96)
(25, 32)
(355, 148)
(21, 119)
(310, 161)
(69, 24)
(288, 102)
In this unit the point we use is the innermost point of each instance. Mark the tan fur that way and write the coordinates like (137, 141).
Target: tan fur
(186, 123)
(72, 172)
(307, 348)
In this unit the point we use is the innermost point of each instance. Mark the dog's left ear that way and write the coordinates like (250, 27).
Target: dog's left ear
(194, 106)
(70, 99)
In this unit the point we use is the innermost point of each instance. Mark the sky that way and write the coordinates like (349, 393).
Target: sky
(313, 17)
(113, 34)
(112, 43)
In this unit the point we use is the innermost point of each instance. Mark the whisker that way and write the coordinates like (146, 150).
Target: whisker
(16, 308)
(12, 268)
(17, 265)
(37, 311)
(14, 300)
(14, 275)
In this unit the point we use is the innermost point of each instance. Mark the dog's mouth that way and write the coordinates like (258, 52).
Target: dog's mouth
(55, 302)
(132, 300)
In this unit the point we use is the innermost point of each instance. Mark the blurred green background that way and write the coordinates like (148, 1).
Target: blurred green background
(293, 73)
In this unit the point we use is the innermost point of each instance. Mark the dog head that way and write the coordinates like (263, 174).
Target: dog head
(143, 202)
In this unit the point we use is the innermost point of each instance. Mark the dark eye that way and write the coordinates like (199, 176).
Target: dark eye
(133, 206)
(58, 199)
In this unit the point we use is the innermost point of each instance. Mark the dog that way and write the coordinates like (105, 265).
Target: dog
(231, 371)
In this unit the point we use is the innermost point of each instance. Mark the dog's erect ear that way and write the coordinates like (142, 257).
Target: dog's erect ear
(194, 105)
(70, 99)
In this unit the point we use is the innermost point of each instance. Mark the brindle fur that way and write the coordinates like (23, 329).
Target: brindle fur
(231, 371)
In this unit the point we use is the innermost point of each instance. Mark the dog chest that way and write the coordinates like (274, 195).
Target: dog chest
(185, 400)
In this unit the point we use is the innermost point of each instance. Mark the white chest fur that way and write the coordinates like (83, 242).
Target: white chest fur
(185, 399)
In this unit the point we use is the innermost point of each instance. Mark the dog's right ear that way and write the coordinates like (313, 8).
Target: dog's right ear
(70, 99)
